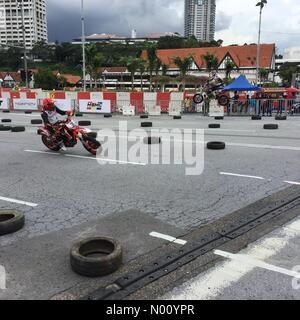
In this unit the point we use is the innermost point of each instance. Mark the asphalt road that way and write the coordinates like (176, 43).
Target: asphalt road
(72, 193)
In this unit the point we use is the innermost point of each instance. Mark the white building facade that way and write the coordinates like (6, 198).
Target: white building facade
(12, 14)
(200, 19)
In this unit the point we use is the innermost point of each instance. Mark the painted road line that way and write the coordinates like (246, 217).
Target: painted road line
(244, 259)
(240, 175)
(167, 238)
(84, 157)
(212, 283)
(293, 183)
(29, 204)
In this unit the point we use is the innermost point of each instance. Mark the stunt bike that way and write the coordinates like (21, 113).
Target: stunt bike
(70, 133)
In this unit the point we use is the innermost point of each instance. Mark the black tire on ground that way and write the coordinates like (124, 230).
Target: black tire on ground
(6, 111)
(198, 98)
(271, 126)
(108, 115)
(177, 117)
(257, 117)
(11, 221)
(96, 257)
(223, 101)
(219, 118)
(78, 115)
(6, 120)
(216, 145)
(146, 124)
(18, 129)
(84, 123)
(214, 126)
(152, 140)
(5, 128)
(281, 118)
(28, 112)
(93, 135)
(37, 121)
(144, 116)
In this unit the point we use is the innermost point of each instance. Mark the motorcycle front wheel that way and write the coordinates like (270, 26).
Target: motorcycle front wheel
(50, 144)
(91, 145)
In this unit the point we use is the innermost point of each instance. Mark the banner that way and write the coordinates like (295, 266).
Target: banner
(215, 110)
(175, 109)
(154, 111)
(129, 111)
(64, 104)
(25, 104)
(95, 106)
(3, 104)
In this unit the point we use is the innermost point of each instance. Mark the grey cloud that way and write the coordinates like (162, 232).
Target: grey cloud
(223, 21)
(113, 16)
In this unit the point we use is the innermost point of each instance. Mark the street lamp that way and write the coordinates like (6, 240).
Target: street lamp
(83, 47)
(20, 6)
(260, 4)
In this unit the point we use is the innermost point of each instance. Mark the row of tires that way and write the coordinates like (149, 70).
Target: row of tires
(91, 257)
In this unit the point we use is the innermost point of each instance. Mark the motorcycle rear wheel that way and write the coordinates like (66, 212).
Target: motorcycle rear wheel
(50, 144)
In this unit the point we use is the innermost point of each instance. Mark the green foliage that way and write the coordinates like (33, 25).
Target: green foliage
(287, 70)
(45, 79)
(211, 61)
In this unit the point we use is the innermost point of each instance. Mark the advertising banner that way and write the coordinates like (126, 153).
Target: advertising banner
(129, 111)
(215, 110)
(25, 104)
(94, 106)
(3, 104)
(64, 104)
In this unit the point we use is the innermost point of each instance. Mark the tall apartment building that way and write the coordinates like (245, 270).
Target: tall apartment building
(34, 13)
(200, 19)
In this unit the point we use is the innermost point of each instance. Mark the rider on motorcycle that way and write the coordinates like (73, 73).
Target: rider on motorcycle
(52, 122)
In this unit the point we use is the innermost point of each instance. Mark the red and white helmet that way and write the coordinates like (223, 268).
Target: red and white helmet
(49, 104)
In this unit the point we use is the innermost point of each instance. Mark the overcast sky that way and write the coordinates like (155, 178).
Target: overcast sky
(237, 20)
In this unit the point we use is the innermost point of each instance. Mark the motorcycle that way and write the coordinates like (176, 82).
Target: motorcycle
(70, 133)
(212, 87)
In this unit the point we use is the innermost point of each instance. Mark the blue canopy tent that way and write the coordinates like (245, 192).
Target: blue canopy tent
(241, 84)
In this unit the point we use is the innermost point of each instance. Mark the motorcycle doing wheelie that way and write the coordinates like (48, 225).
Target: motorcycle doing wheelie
(70, 132)
(212, 87)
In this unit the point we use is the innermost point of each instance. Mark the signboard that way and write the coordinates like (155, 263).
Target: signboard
(3, 104)
(95, 106)
(25, 104)
(128, 111)
(215, 110)
(64, 104)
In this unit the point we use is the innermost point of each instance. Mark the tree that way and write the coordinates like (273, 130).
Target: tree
(45, 79)
(263, 75)
(170, 42)
(184, 66)
(94, 61)
(287, 71)
(132, 65)
(164, 69)
(141, 69)
(41, 50)
(211, 61)
(191, 42)
(229, 67)
(151, 55)
(162, 81)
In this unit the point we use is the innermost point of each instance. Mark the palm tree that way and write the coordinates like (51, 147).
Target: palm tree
(132, 65)
(94, 61)
(184, 66)
(142, 69)
(263, 74)
(164, 69)
(261, 4)
(229, 67)
(212, 62)
(151, 55)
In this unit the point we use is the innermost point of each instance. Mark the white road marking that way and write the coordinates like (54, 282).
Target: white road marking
(29, 204)
(241, 175)
(292, 182)
(211, 284)
(168, 238)
(244, 259)
(86, 158)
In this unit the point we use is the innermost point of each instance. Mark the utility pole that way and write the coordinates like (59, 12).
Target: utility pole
(20, 5)
(83, 47)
